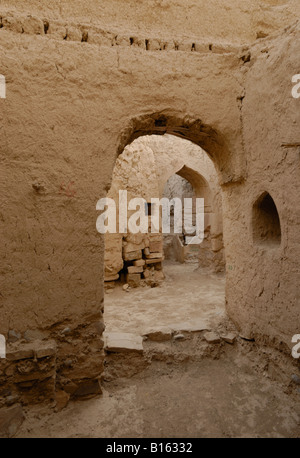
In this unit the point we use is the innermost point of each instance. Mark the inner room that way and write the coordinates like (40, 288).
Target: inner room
(166, 281)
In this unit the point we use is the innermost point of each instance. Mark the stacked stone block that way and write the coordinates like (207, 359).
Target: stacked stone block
(143, 258)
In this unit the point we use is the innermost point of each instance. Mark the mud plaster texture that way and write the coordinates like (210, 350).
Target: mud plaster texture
(78, 92)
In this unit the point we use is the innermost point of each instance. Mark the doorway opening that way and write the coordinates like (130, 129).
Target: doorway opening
(155, 280)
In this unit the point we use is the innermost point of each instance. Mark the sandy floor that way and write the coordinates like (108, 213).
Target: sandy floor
(214, 398)
(186, 296)
(217, 395)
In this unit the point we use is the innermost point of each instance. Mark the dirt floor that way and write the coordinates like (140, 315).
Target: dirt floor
(180, 388)
(187, 296)
(210, 398)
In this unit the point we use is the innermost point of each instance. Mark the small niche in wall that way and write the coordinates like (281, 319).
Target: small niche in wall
(266, 222)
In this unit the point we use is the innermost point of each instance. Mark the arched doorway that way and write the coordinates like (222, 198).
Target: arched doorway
(191, 184)
(135, 262)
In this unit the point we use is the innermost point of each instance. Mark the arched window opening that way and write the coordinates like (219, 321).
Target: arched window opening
(266, 222)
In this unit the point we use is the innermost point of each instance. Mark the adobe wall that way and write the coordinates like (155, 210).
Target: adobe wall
(71, 108)
(237, 21)
(263, 282)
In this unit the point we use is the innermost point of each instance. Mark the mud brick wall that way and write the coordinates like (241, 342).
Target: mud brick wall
(78, 96)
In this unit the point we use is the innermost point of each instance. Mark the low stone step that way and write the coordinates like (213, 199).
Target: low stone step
(122, 342)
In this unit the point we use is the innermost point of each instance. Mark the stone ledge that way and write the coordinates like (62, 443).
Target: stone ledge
(123, 342)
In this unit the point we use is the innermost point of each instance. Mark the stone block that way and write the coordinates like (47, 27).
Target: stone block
(100, 39)
(153, 261)
(139, 262)
(33, 25)
(13, 24)
(111, 277)
(57, 31)
(155, 238)
(184, 46)
(122, 41)
(73, 34)
(47, 348)
(156, 255)
(135, 269)
(14, 354)
(123, 342)
(133, 255)
(136, 239)
(153, 45)
(129, 247)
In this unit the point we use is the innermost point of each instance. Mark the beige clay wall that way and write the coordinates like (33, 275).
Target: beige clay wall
(213, 21)
(70, 109)
(73, 106)
(263, 282)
